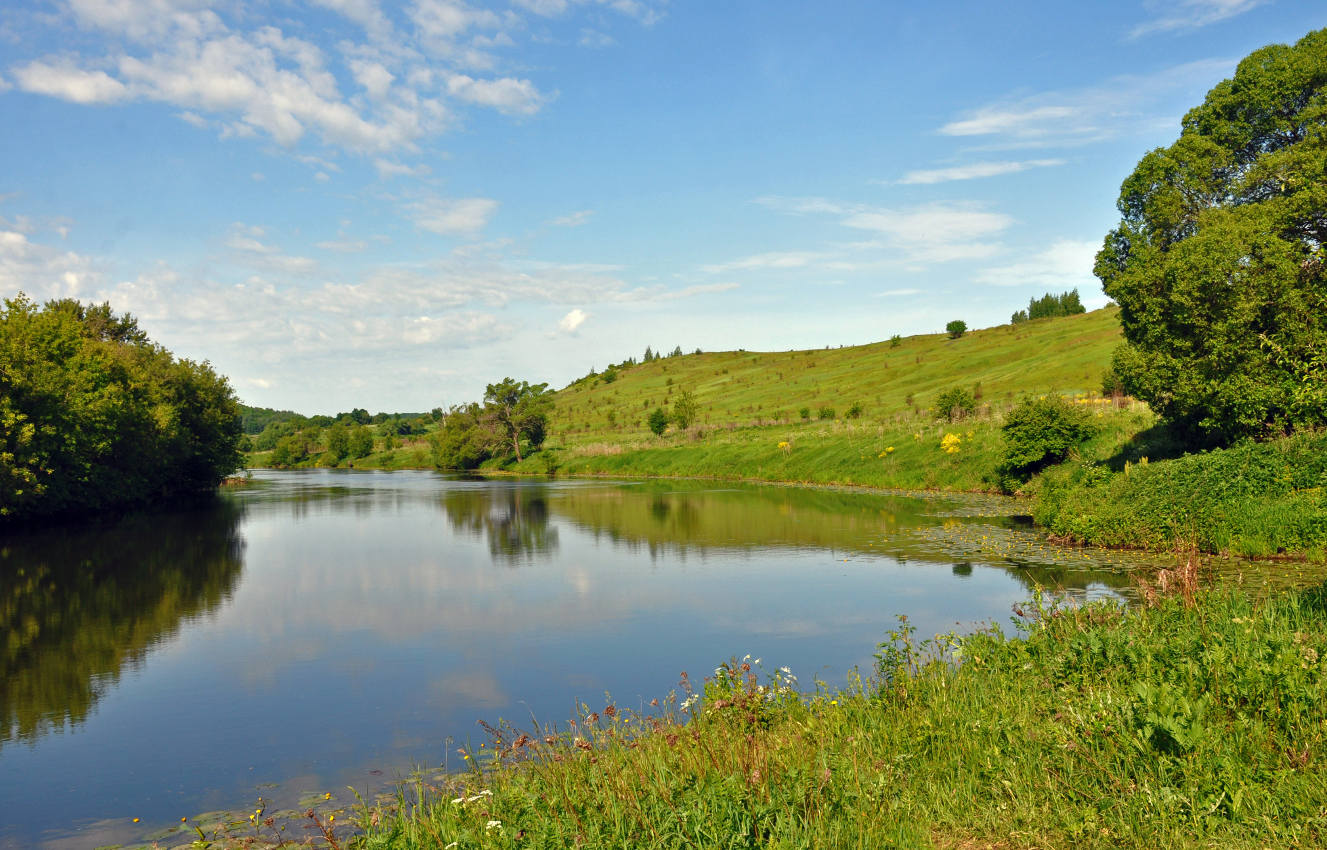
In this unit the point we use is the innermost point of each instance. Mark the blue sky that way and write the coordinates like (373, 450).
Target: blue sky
(351, 203)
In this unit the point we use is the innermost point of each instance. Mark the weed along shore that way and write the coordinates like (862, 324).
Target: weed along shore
(1197, 720)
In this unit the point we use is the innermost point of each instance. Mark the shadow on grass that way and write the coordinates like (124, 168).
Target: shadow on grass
(1162, 441)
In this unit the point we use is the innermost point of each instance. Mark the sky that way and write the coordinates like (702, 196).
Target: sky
(389, 205)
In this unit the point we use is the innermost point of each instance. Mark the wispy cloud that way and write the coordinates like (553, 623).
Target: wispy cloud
(973, 171)
(897, 293)
(1123, 104)
(575, 219)
(452, 216)
(1066, 264)
(1179, 15)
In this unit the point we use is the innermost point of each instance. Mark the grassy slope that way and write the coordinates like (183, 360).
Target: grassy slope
(739, 388)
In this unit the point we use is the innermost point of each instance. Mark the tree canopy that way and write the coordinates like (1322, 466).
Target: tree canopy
(95, 416)
(513, 412)
(1050, 306)
(1218, 262)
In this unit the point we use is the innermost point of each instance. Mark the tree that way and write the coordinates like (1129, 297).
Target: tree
(360, 442)
(1038, 433)
(658, 421)
(956, 328)
(1218, 263)
(519, 410)
(684, 410)
(94, 416)
(338, 441)
(954, 404)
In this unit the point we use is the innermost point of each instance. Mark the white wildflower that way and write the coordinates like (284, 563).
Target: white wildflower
(493, 824)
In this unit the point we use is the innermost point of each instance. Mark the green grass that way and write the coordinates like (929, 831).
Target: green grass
(853, 452)
(1169, 726)
(1251, 500)
(742, 388)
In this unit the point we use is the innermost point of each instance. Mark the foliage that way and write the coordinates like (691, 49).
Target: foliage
(94, 416)
(895, 341)
(519, 410)
(954, 404)
(658, 422)
(1253, 499)
(685, 409)
(956, 328)
(854, 412)
(825, 413)
(1039, 432)
(1050, 306)
(1218, 262)
(1094, 727)
(513, 413)
(805, 413)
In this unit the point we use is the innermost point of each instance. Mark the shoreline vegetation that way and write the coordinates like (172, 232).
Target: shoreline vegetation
(878, 420)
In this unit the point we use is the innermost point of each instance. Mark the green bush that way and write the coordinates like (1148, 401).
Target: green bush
(826, 413)
(956, 328)
(805, 413)
(854, 412)
(658, 421)
(954, 404)
(1040, 432)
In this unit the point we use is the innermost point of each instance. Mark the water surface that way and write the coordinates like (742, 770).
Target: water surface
(329, 628)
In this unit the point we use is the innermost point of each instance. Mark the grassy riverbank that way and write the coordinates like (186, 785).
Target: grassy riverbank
(1166, 726)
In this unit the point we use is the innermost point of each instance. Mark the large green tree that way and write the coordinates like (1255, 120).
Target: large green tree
(1218, 262)
(519, 410)
(94, 416)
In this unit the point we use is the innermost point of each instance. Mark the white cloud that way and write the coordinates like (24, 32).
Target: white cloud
(1123, 104)
(897, 293)
(573, 320)
(507, 95)
(248, 249)
(769, 260)
(1176, 15)
(594, 38)
(70, 83)
(452, 216)
(974, 171)
(387, 169)
(344, 246)
(1066, 264)
(143, 20)
(575, 219)
(373, 77)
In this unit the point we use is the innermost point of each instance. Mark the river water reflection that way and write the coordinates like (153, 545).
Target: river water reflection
(326, 628)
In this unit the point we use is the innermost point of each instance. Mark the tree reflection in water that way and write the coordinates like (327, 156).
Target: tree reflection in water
(514, 520)
(78, 605)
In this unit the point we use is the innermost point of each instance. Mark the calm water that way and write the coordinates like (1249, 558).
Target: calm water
(327, 628)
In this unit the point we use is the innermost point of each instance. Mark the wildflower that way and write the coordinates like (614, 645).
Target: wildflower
(493, 824)
(949, 443)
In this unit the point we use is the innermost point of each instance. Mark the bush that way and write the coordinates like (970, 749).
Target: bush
(1040, 432)
(805, 413)
(956, 328)
(954, 404)
(826, 413)
(658, 421)
(854, 412)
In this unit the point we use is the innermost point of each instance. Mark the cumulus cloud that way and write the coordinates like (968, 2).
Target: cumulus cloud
(1066, 264)
(69, 83)
(974, 170)
(507, 95)
(573, 320)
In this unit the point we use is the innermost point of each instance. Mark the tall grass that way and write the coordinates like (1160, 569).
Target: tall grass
(1165, 726)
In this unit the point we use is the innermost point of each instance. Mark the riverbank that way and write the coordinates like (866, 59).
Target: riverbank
(1175, 725)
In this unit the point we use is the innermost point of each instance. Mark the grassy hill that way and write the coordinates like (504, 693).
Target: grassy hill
(892, 381)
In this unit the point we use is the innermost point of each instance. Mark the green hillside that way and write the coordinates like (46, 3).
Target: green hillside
(892, 381)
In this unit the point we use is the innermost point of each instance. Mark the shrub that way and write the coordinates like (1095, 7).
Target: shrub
(805, 412)
(658, 421)
(1040, 432)
(956, 328)
(954, 404)
(826, 413)
(854, 412)
(895, 341)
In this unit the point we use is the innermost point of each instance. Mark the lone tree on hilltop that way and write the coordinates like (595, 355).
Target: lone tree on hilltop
(1218, 263)
(956, 328)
